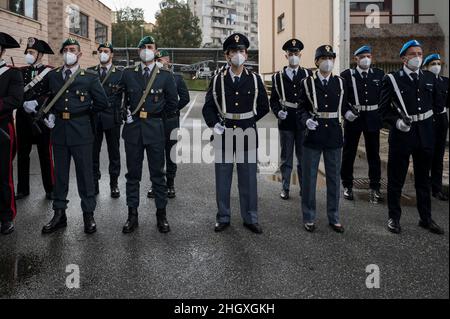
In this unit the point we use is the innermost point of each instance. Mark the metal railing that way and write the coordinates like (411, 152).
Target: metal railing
(388, 18)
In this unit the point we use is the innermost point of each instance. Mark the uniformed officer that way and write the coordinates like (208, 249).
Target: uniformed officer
(28, 131)
(109, 121)
(363, 87)
(76, 94)
(408, 103)
(323, 103)
(171, 122)
(151, 93)
(433, 64)
(285, 95)
(235, 102)
(11, 97)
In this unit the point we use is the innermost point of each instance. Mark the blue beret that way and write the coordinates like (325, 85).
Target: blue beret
(363, 49)
(409, 44)
(431, 58)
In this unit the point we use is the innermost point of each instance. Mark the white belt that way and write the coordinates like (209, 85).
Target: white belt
(422, 117)
(367, 108)
(238, 117)
(328, 115)
(289, 104)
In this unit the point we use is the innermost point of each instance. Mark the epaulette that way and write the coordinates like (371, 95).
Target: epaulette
(87, 71)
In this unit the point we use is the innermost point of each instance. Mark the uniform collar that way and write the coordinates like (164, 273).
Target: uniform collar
(73, 69)
(290, 71)
(361, 70)
(321, 77)
(409, 72)
(234, 75)
(150, 67)
(108, 67)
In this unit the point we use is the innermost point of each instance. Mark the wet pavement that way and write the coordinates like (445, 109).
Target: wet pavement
(194, 262)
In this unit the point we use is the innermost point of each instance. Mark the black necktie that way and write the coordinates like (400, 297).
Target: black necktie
(104, 72)
(364, 74)
(325, 83)
(236, 80)
(146, 75)
(68, 74)
(415, 78)
(294, 73)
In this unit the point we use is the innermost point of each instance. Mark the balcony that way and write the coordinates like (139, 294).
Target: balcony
(222, 4)
(222, 26)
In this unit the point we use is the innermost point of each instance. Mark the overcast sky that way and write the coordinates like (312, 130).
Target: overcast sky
(150, 6)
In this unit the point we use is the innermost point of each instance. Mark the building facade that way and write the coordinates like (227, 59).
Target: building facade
(88, 21)
(221, 18)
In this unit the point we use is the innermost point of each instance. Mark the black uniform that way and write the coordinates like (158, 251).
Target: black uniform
(368, 123)
(441, 131)
(146, 132)
(172, 122)
(28, 134)
(420, 97)
(108, 124)
(73, 135)
(11, 97)
(285, 97)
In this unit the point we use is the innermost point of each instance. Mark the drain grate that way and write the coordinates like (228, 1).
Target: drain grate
(364, 183)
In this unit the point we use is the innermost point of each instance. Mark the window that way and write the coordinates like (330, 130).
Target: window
(78, 23)
(27, 8)
(101, 32)
(281, 23)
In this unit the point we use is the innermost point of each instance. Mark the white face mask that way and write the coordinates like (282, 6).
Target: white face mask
(104, 57)
(238, 59)
(30, 59)
(326, 66)
(160, 65)
(436, 69)
(414, 63)
(70, 58)
(365, 63)
(147, 55)
(294, 60)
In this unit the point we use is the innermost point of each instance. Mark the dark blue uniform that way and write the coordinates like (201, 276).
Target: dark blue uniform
(420, 98)
(108, 124)
(73, 135)
(441, 131)
(369, 123)
(147, 132)
(291, 132)
(28, 134)
(240, 98)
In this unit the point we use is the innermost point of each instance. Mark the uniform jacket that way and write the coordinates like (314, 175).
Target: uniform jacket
(11, 94)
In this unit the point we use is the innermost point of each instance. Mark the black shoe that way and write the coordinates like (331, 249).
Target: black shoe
(254, 228)
(221, 227)
(151, 193)
(90, 226)
(115, 192)
(375, 196)
(284, 195)
(310, 228)
(171, 192)
(394, 226)
(337, 229)
(432, 227)
(348, 194)
(7, 228)
(441, 196)
(162, 223)
(49, 196)
(58, 221)
(132, 222)
(21, 195)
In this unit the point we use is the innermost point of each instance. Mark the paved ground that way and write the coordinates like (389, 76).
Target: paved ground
(194, 262)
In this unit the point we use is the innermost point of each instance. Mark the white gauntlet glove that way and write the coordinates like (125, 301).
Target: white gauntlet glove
(219, 129)
(402, 126)
(30, 106)
(282, 115)
(129, 117)
(350, 116)
(50, 122)
(311, 124)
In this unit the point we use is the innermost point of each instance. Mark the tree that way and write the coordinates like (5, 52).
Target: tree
(176, 26)
(126, 32)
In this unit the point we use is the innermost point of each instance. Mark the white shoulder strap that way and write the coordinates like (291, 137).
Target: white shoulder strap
(283, 92)
(216, 100)
(222, 84)
(255, 100)
(3, 70)
(355, 88)
(275, 83)
(37, 79)
(397, 91)
(313, 83)
(341, 84)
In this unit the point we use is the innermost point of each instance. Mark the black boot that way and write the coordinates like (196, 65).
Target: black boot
(7, 227)
(96, 188)
(132, 222)
(162, 223)
(171, 192)
(90, 226)
(348, 194)
(58, 221)
(151, 193)
(115, 192)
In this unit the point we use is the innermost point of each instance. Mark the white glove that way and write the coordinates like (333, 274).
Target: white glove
(129, 117)
(402, 126)
(219, 129)
(350, 116)
(282, 115)
(50, 122)
(311, 124)
(30, 106)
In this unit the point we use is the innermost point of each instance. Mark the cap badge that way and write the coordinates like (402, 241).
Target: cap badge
(237, 38)
(294, 43)
(31, 42)
(328, 48)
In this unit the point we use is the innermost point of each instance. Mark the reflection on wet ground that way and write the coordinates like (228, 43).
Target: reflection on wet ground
(16, 269)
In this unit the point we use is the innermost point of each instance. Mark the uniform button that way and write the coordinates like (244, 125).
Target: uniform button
(326, 105)
(367, 101)
(420, 109)
(326, 125)
(419, 99)
(295, 94)
(67, 91)
(326, 95)
(237, 93)
(67, 100)
(295, 85)
(66, 109)
(235, 127)
(237, 104)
